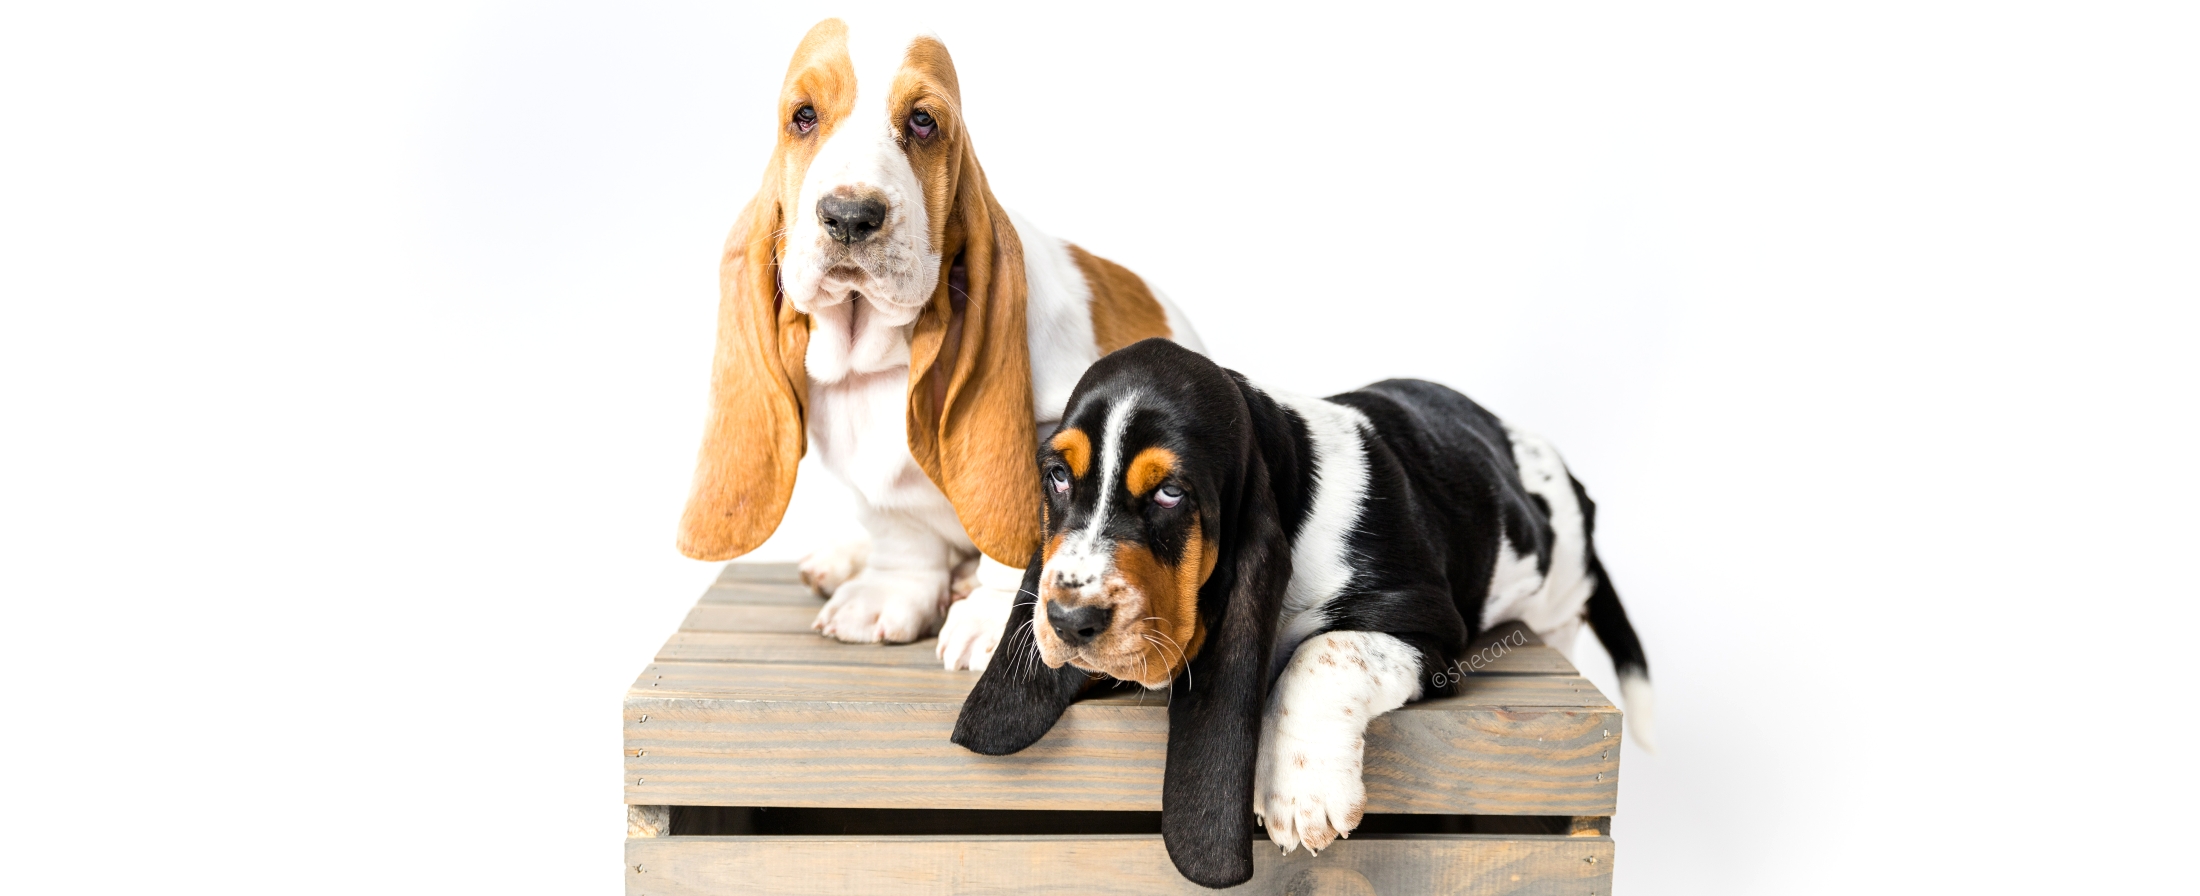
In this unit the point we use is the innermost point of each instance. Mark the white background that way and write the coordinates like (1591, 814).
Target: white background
(352, 364)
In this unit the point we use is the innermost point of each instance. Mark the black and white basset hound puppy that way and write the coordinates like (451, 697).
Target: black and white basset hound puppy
(1290, 568)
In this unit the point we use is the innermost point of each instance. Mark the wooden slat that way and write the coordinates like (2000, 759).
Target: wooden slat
(767, 573)
(1131, 865)
(751, 618)
(703, 640)
(779, 594)
(746, 706)
(783, 647)
(737, 734)
(806, 683)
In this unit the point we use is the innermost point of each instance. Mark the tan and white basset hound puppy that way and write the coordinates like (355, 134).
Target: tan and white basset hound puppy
(879, 305)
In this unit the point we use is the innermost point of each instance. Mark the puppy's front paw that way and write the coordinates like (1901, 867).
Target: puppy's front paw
(973, 628)
(829, 567)
(877, 605)
(1307, 791)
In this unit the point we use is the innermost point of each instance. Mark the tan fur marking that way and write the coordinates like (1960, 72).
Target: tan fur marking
(1148, 469)
(1076, 449)
(970, 426)
(1174, 612)
(754, 437)
(1123, 309)
(927, 81)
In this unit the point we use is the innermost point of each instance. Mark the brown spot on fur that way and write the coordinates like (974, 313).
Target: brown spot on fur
(1171, 600)
(1053, 545)
(1353, 815)
(1299, 760)
(1148, 469)
(1348, 710)
(1326, 660)
(1123, 309)
(1076, 450)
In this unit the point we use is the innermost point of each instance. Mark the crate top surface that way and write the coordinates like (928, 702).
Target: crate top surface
(746, 706)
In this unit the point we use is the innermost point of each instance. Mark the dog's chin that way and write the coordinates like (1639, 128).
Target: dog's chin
(1134, 667)
(895, 283)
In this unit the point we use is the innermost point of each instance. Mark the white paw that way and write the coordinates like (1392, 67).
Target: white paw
(895, 607)
(1307, 791)
(973, 628)
(831, 566)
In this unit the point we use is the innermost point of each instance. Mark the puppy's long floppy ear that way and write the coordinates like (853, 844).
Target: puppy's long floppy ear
(1214, 719)
(754, 437)
(970, 409)
(1018, 699)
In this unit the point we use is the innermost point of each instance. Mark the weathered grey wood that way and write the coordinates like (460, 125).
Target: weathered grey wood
(731, 633)
(648, 821)
(767, 573)
(781, 594)
(839, 683)
(746, 706)
(787, 647)
(753, 618)
(733, 734)
(1133, 865)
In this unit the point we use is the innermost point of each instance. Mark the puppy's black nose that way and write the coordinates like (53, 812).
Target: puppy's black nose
(851, 219)
(1078, 625)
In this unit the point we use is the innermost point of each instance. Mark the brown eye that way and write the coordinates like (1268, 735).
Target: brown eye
(921, 123)
(1059, 479)
(1168, 496)
(805, 118)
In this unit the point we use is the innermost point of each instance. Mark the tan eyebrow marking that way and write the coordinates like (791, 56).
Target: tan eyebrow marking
(1148, 469)
(1076, 449)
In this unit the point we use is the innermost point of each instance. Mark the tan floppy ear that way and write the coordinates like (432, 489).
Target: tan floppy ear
(754, 437)
(970, 413)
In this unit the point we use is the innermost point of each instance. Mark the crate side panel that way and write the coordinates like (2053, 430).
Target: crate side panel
(1461, 865)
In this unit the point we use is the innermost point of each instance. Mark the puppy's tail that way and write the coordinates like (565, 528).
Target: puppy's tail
(1609, 620)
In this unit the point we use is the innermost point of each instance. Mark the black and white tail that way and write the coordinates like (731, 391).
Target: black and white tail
(1609, 620)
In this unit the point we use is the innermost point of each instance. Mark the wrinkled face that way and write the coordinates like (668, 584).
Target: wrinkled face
(869, 130)
(1128, 543)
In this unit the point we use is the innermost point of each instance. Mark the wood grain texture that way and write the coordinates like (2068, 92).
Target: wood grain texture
(765, 573)
(747, 707)
(807, 648)
(726, 617)
(1131, 865)
(736, 734)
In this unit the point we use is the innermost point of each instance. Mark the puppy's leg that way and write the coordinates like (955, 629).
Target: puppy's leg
(1307, 787)
(975, 624)
(898, 596)
(826, 568)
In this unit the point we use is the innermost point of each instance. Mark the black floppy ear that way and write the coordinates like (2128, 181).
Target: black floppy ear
(1214, 718)
(1018, 699)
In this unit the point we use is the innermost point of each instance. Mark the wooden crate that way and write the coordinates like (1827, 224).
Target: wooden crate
(762, 758)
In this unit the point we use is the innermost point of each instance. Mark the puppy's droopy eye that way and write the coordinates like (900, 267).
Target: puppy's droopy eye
(1058, 477)
(921, 124)
(805, 118)
(1168, 496)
